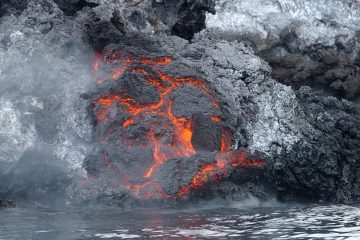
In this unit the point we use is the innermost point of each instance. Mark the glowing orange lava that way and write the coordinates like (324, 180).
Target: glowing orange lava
(218, 170)
(96, 62)
(128, 122)
(182, 128)
(215, 119)
(161, 61)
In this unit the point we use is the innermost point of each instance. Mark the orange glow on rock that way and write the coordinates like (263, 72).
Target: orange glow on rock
(226, 141)
(215, 119)
(161, 61)
(105, 103)
(164, 147)
(159, 156)
(96, 62)
(139, 70)
(117, 73)
(128, 122)
(218, 170)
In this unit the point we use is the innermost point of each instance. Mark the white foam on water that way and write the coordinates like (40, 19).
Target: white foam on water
(116, 235)
(121, 230)
(44, 231)
(201, 233)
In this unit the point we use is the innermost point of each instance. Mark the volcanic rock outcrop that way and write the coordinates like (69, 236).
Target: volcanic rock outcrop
(158, 124)
(301, 146)
(307, 43)
(156, 117)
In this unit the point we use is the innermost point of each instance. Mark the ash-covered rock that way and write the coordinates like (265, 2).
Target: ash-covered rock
(325, 161)
(316, 22)
(181, 18)
(307, 43)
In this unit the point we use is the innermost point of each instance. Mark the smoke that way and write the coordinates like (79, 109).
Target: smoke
(45, 60)
(252, 202)
(44, 133)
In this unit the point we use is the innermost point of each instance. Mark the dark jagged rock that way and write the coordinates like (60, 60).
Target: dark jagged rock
(291, 143)
(207, 133)
(328, 70)
(305, 47)
(177, 173)
(325, 166)
(192, 17)
(12, 7)
(7, 204)
(70, 7)
(181, 18)
(310, 143)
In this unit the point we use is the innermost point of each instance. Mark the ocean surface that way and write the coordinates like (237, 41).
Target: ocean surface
(234, 221)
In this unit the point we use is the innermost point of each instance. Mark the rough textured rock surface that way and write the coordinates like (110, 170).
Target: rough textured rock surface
(313, 43)
(309, 144)
(45, 61)
(6, 204)
(182, 18)
(44, 132)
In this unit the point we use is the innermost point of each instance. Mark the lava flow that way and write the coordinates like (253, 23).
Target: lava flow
(159, 114)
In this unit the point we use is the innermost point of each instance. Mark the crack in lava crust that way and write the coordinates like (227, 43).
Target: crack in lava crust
(160, 114)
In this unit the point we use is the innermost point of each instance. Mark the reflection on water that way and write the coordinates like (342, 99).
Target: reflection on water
(279, 222)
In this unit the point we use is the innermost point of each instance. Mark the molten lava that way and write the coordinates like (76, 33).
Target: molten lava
(220, 169)
(163, 149)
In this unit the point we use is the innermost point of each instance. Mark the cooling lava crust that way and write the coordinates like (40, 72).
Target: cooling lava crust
(160, 136)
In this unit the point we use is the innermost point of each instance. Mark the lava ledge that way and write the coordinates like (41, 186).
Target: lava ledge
(310, 143)
(313, 143)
